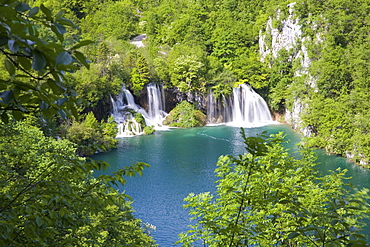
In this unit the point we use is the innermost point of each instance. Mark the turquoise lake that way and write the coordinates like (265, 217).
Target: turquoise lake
(183, 161)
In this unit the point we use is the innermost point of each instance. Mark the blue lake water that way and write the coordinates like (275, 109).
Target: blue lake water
(183, 161)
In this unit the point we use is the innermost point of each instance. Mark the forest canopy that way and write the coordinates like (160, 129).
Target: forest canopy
(198, 46)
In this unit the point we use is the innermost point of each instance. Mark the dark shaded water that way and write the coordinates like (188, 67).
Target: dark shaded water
(183, 161)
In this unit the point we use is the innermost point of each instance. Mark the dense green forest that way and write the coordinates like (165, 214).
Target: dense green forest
(199, 46)
(62, 59)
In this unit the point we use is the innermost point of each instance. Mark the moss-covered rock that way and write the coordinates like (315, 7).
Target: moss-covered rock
(147, 130)
(184, 115)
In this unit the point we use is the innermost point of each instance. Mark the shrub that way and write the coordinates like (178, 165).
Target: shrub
(184, 115)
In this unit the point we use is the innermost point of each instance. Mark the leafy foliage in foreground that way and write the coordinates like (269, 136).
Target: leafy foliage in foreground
(36, 65)
(48, 196)
(268, 198)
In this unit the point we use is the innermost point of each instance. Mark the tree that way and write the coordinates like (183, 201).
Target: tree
(93, 86)
(113, 19)
(49, 197)
(139, 74)
(187, 74)
(184, 115)
(266, 197)
(90, 136)
(36, 66)
(281, 75)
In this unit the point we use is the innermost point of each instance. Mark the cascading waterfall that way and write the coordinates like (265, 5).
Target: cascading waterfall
(124, 106)
(156, 113)
(218, 109)
(244, 108)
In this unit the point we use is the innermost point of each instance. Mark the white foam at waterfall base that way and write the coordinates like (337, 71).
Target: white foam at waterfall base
(124, 104)
(244, 108)
(129, 128)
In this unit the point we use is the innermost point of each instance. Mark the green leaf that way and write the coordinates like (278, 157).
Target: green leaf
(57, 33)
(39, 221)
(56, 75)
(47, 114)
(7, 96)
(3, 40)
(34, 11)
(22, 7)
(13, 45)
(61, 29)
(5, 117)
(284, 201)
(47, 12)
(82, 43)
(54, 86)
(38, 60)
(63, 58)
(65, 22)
(25, 62)
(59, 14)
(43, 105)
(333, 222)
(293, 235)
(62, 101)
(359, 236)
(24, 98)
(62, 113)
(9, 67)
(18, 115)
(81, 58)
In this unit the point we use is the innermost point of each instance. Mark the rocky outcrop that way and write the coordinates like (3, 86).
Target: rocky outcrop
(138, 41)
(287, 34)
(102, 110)
(173, 96)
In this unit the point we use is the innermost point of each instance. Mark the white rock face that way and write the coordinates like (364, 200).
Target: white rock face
(138, 40)
(288, 37)
(292, 117)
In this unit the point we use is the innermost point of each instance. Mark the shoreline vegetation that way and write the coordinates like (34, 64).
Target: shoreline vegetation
(318, 73)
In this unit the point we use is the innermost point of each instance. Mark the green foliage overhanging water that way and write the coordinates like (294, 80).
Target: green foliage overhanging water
(183, 162)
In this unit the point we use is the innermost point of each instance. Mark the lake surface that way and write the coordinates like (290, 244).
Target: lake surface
(183, 161)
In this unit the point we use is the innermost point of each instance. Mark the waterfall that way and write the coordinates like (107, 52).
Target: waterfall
(124, 107)
(156, 102)
(218, 109)
(243, 108)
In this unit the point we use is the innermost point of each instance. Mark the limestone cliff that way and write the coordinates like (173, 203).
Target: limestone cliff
(287, 34)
